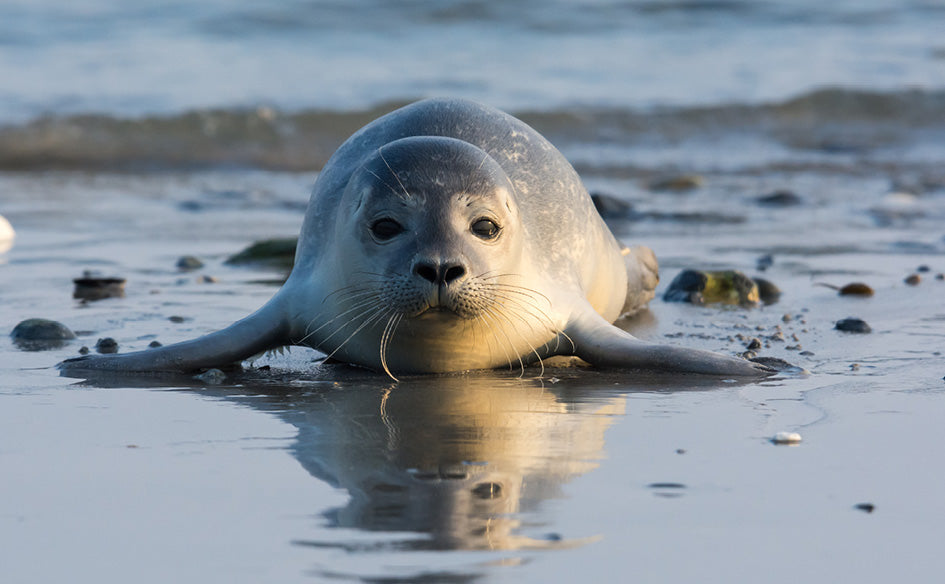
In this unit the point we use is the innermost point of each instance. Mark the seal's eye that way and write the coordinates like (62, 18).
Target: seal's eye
(384, 229)
(485, 228)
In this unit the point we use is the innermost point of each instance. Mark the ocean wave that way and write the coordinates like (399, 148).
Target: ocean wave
(829, 120)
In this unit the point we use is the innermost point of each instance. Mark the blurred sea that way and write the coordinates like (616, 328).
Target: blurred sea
(97, 83)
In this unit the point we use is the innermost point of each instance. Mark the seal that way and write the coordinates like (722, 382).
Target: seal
(448, 236)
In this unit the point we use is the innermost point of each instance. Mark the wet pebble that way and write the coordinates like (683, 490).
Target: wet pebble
(176, 319)
(940, 276)
(188, 263)
(205, 279)
(83, 350)
(91, 287)
(856, 289)
(913, 279)
(767, 291)
(764, 262)
(807, 353)
(786, 317)
(41, 329)
(680, 183)
(865, 507)
(211, 377)
(852, 325)
(786, 438)
(154, 344)
(777, 337)
(780, 199)
(753, 344)
(923, 269)
(106, 345)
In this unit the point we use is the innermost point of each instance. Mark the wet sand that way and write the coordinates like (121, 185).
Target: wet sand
(308, 472)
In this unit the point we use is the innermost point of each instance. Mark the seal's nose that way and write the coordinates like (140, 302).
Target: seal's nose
(439, 272)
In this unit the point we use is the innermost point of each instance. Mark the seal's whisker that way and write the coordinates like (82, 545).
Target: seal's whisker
(386, 337)
(488, 328)
(380, 152)
(524, 338)
(368, 321)
(362, 304)
(491, 314)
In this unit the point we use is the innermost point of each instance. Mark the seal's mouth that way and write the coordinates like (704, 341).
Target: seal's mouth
(438, 310)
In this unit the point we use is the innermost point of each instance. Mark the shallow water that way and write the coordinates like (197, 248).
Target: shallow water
(301, 471)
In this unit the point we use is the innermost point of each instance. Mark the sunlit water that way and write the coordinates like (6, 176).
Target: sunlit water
(210, 123)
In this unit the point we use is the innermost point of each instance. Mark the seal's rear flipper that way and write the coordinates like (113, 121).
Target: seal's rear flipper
(600, 343)
(264, 329)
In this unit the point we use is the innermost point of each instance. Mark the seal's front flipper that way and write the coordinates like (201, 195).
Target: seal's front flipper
(600, 343)
(265, 329)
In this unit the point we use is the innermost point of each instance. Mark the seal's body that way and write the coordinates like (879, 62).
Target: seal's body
(448, 236)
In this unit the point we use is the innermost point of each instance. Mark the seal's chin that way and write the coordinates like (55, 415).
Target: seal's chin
(438, 311)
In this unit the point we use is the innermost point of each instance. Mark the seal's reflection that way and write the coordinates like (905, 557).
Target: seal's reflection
(460, 459)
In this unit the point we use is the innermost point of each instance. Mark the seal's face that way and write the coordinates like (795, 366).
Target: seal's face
(438, 262)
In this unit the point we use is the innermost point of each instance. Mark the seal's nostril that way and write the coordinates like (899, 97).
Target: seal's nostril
(426, 271)
(453, 273)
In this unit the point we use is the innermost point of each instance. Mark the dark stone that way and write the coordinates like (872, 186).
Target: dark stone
(188, 263)
(853, 325)
(154, 344)
(40, 334)
(767, 291)
(106, 345)
(92, 288)
(780, 199)
(764, 262)
(276, 252)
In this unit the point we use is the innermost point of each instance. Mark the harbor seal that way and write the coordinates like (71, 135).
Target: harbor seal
(448, 236)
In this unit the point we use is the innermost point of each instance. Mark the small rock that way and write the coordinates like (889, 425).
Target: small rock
(767, 292)
(106, 345)
(796, 347)
(277, 252)
(154, 344)
(807, 353)
(867, 507)
(681, 183)
(940, 276)
(780, 199)
(852, 325)
(40, 334)
(786, 438)
(205, 279)
(211, 377)
(923, 269)
(83, 350)
(91, 287)
(753, 344)
(777, 337)
(856, 289)
(913, 279)
(188, 263)
(700, 287)
(41, 329)
(764, 262)
(176, 319)
(786, 317)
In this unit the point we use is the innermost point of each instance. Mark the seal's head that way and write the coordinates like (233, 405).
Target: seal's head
(433, 250)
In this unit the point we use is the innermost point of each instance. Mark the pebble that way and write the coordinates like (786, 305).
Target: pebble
(786, 317)
(853, 325)
(923, 269)
(867, 507)
(211, 377)
(41, 329)
(913, 279)
(83, 350)
(106, 345)
(154, 344)
(753, 344)
(856, 289)
(92, 287)
(681, 183)
(188, 263)
(207, 280)
(764, 262)
(786, 438)
(940, 276)
(780, 199)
